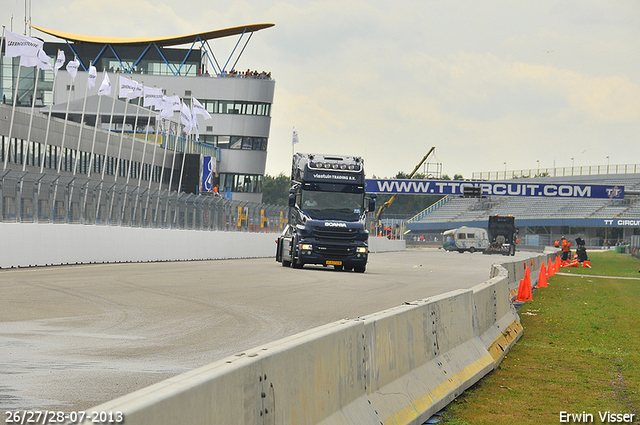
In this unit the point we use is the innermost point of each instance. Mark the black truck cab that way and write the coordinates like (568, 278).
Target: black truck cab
(327, 213)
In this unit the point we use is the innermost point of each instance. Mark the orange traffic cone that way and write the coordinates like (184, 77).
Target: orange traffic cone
(556, 267)
(542, 277)
(524, 290)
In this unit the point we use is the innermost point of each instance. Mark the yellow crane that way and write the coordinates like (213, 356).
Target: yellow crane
(393, 198)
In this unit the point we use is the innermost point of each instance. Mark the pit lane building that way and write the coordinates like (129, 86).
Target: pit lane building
(237, 135)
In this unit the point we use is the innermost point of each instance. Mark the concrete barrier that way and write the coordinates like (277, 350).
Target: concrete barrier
(398, 366)
(31, 244)
(377, 244)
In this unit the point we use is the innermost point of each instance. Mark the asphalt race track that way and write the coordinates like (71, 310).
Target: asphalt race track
(73, 337)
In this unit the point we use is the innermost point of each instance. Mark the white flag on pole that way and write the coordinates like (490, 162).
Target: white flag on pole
(59, 62)
(198, 109)
(153, 97)
(166, 109)
(72, 68)
(295, 137)
(105, 87)
(185, 118)
(93, 76)
(44, 61)
(174, 101)
(21, 45)
(129, 88)
(28, 61)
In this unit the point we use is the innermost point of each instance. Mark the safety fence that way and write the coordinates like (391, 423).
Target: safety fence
(29, 197)
(586, 170)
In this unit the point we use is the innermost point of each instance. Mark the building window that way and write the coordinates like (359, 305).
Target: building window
(247, 183)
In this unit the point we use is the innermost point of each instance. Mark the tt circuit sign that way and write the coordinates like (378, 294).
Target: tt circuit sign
(452, 187)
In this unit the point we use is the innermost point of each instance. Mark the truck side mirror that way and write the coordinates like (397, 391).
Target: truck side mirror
(372, 203)
(292, 199)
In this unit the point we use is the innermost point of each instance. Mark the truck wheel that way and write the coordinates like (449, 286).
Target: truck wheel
(338, 268)
(296, 264)
(360, 269)
(512, 250)
(472, 249)
(286, 263)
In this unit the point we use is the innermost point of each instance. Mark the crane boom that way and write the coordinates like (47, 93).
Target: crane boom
(393, 198)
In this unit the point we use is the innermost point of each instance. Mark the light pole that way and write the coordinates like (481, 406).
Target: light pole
(607, 164)
(505, 170)
(538, 161)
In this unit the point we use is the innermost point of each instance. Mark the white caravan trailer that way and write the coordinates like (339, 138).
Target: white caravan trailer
(463, 239)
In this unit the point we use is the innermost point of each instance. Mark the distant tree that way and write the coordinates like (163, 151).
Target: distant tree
(445, 177)
(458, 177)
(275, 190)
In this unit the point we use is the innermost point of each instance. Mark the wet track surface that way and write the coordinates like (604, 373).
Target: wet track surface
(73, 337)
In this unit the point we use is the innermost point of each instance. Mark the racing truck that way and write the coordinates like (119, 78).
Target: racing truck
(327, 214)
(503, 235)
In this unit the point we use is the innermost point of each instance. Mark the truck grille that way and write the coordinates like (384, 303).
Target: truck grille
(336, 252)
(332, 234)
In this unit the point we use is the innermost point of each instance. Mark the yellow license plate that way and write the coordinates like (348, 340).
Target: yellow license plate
(334, 263)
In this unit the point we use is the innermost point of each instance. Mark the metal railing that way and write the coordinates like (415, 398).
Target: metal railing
(587, 170)
(28, 197)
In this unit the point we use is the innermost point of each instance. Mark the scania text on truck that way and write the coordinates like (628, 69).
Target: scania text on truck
(327, 214)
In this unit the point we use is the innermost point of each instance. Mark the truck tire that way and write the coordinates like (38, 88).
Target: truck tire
(472, 249)
(286, 263)
(296, 264)
(512, 250)
(360, 269)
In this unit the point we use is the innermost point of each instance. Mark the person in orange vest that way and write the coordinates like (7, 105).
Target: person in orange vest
(556, 244)
(566, 249)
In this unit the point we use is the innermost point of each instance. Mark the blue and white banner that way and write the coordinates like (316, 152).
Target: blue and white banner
(521, 188)
(208, 168)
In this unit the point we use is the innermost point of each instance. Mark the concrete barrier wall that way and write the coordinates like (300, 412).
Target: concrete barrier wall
(30, 244)
(377, 244)
(398, 366)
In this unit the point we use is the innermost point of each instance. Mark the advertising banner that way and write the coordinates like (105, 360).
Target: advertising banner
(516, 188)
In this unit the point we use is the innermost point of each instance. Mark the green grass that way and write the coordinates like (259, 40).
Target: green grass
(580, 352)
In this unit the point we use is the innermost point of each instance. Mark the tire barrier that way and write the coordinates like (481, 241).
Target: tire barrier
(397, 366)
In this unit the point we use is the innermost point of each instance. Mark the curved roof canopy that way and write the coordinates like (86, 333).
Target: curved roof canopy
(160, 41)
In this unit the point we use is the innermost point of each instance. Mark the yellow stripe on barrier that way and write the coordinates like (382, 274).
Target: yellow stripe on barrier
(437, 393)
(506, 339)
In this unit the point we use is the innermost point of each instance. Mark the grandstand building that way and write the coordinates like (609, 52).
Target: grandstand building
(131, 144)
(541, 220)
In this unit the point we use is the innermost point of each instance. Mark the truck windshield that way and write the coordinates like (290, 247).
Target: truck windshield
(332, 205)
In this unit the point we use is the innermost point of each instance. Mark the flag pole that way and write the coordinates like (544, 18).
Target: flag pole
(33, 104)
(53, 91)
(84, 107)
(124, 119)
(106, 153)
(164, 157)
(66, 120)
(144, 152)
(130, 168)
(64, 133)
(173, 164)
(13, 111)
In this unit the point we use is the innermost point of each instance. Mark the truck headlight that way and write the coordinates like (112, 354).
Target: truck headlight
(361, 249)
(305, 246)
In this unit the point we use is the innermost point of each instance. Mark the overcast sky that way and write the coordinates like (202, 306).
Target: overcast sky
(485, 82)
